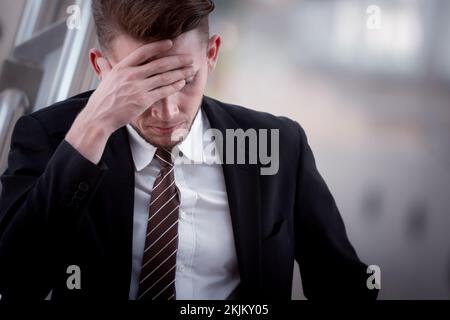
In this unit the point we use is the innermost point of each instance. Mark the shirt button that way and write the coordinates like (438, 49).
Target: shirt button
(183, 215)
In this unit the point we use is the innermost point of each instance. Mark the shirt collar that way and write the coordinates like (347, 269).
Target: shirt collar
(191, 147)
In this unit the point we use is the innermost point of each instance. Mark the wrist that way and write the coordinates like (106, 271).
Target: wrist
(89, 139)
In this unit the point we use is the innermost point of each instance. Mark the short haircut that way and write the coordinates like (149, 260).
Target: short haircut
(149, 20)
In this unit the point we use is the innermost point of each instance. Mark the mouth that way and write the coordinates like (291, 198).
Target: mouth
(166, 130)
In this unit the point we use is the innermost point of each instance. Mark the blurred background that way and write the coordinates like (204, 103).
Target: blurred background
(369, 81)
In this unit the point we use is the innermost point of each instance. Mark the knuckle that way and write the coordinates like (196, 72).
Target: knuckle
(140, 55)
(162, 65)
(165, 77)
(131, 75)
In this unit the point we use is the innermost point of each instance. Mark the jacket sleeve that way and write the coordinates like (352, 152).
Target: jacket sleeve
(45, 191)
(329, 265)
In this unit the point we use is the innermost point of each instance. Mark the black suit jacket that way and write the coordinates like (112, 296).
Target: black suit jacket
(58, 209)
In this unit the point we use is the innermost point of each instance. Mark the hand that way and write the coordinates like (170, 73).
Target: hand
(126, 91)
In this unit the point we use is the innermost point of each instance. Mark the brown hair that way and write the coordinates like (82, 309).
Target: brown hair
(149, 20)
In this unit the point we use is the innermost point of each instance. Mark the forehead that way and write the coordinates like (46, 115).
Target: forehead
(186, 43)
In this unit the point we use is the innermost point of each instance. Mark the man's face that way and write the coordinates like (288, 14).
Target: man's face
(175, 113)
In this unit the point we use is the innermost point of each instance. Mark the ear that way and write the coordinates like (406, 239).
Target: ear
(213, 51)
(99, 63)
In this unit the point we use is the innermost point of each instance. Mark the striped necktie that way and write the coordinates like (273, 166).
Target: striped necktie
(157, 279)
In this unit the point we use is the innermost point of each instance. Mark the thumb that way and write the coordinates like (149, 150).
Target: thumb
(104, 67)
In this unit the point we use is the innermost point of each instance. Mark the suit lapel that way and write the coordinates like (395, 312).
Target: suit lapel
(242, 183)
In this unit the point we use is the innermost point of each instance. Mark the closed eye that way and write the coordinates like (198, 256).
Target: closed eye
(190, 80)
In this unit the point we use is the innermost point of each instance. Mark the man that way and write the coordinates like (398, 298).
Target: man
(96, 204)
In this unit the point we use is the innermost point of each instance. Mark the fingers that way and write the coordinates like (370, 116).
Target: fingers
(144, 53)
(167, 78)
(163, 65)
(165, 91)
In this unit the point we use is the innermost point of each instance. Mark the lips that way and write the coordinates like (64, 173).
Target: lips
(167, 129)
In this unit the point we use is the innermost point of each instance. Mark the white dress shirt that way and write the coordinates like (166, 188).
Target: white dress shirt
(206, 259)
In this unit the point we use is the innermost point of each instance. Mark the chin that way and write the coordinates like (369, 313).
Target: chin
(163, 139)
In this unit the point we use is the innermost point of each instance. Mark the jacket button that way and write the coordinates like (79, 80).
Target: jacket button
(84, 186)
(80, 195)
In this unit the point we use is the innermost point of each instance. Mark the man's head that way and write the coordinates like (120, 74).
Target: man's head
(125, 25)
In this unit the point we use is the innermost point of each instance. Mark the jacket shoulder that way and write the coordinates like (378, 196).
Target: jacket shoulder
(248, 118)
(58, 118)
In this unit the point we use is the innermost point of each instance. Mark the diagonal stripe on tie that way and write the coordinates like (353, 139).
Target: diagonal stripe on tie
(157, 278)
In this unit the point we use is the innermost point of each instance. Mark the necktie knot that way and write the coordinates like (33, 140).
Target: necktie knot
(165, 157)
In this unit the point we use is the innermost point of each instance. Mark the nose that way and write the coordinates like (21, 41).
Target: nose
(166, 109)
